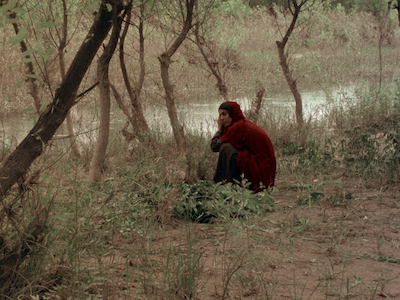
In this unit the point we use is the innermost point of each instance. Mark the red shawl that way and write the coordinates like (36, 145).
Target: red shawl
(256, 159)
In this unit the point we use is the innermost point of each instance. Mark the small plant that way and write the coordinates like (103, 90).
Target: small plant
(205, 201)
(181, 270)
(314, 191)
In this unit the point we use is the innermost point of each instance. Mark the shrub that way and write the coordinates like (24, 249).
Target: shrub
(204, 202)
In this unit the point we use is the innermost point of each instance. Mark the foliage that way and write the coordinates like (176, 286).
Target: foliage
(205, 202)
(233, 8)
(372, 6)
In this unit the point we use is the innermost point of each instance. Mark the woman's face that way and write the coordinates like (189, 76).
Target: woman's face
(224, 117)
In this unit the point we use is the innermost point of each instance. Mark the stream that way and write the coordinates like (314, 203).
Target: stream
(197, 117)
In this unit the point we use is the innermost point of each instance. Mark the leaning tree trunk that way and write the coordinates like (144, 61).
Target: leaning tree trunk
(99, 154)
(54, 115)
(165, 61)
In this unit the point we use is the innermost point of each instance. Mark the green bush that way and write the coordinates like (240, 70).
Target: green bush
(204, 202)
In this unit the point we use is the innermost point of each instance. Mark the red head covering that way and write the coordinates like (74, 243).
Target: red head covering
(236, 115)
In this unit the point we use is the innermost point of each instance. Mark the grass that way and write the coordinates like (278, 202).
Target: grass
(144, 232)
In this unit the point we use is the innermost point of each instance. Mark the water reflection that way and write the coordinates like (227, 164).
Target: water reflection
(195, 117)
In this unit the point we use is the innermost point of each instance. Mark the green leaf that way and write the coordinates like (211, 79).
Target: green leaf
(18, 84)
(109, 7)
(94, 5)
(23, 32)
(28, 109)
(48, 54)
(9, 6)
(19, 10)
(48, 24)
(27, 52)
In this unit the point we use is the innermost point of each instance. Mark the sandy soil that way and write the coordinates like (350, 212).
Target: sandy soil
(345, 246)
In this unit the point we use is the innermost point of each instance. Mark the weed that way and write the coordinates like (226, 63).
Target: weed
(180, 275)
(204, 201)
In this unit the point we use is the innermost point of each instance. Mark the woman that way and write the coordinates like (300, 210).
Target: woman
(244, 148)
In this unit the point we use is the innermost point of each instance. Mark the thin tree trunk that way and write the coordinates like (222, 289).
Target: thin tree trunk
(123, 107)
(55, 113)
(397, 7)
(177, 128)
(31, 75)
(61, 57)
(292, 84)
(165, 61)
(99, 154)
(213, 67)
(256, 104)
(286, 69)
(139, 122)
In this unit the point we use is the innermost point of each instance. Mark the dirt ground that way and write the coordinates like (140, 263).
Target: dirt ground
(344, 246)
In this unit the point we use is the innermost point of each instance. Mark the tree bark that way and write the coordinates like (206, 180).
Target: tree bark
(213, 67)
(55, 113)
(99, 154)
(61, 47)
(286, 69)
(139, 123)
(256, 104)
(31, 75)
(165, 61)
(292, 84)
(397, 7)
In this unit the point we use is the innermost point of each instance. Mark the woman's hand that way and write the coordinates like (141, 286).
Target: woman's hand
(220, 126)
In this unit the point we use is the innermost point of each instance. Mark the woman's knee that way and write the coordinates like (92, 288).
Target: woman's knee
(228, 147)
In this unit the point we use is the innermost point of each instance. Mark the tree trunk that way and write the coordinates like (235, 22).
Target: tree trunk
(55, 113)
(295, 9)
(139, 122)
(213, 67)
(256, 104)
(165, 61)
(292, 84)
(61, 47)
(31, 76)
(99, 154)
(397, 7)
(177, 128)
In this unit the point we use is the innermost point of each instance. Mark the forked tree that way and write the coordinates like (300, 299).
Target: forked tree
(212, 62)
(295, 7)
(186, 11)
(100, 149)
(134, 111)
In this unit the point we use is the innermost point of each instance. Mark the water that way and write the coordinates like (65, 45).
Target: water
(195, 117)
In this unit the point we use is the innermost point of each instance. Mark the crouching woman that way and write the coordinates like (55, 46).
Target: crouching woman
(244, 148)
